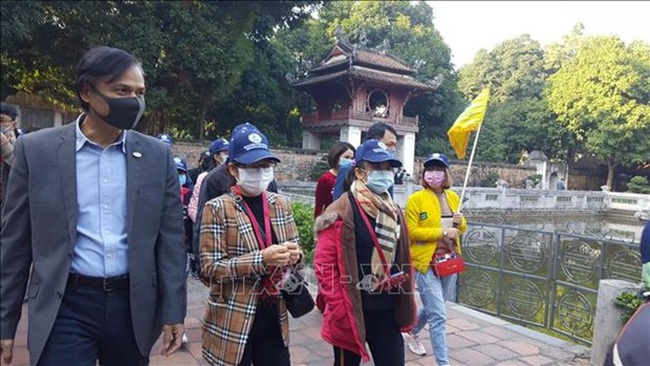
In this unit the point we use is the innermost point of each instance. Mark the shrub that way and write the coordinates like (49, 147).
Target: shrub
(319, 168)
(638, 184)
(536, 178)
(303, 214)
(629, 302)
(490, 180)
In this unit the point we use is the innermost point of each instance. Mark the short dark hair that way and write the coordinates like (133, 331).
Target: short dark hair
(102, 61)
(9, 109)
(378, 130)
(338, 149)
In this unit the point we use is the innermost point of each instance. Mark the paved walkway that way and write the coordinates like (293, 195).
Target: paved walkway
(474, 339)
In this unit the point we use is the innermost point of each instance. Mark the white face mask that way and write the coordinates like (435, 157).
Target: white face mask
(255, 180)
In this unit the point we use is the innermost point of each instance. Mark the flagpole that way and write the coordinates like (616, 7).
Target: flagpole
(469, 167)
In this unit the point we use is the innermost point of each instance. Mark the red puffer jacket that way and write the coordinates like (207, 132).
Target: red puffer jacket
(336, 268)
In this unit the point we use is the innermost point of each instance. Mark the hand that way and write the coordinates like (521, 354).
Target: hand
(294, 251)
(457, 218)
(452, 233)
(7, 350)
(172, 338)
(276, 255)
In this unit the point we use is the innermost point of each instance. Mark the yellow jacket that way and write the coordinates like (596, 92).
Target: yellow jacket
(423, 217)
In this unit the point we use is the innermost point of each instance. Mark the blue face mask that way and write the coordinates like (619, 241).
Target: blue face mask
(182, 179)
(380, 180)
(345, 162)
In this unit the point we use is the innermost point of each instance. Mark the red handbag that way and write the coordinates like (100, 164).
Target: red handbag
(447, 264)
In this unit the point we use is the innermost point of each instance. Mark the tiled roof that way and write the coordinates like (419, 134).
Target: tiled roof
(367, 74)
(363, 57)
(387, 61)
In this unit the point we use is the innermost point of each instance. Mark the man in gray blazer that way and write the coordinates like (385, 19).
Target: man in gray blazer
(94, 210)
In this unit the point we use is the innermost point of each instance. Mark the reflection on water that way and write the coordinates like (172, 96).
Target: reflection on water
(594, 226)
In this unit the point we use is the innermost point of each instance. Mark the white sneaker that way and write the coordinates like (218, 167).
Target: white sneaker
(184, 339)
(414, 344)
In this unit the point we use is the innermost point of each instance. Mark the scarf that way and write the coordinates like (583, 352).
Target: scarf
(382, 209)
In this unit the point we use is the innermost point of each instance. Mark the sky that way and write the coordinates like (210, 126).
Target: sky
(468, 26)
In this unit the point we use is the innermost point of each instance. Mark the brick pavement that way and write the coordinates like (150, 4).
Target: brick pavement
(474, 339)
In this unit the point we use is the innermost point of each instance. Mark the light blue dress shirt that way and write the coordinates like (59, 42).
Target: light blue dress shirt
(101, 247)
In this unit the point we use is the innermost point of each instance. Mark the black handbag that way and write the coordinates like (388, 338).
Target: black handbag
(296, 295)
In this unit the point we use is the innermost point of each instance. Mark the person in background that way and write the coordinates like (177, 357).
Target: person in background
(8, 134)
(379, 131)
(186, 192)
(561, 185)
(248, 238)
(166, 138)
(341, 155)
(399, 176)
(92, 230)
(362, 237)
(434, 226)
(218, 182)
(206, 163)
(218, 156)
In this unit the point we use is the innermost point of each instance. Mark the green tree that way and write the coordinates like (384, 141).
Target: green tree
(193, 53)
(513, 70)
(602, 97)
(518, 118)
(409, 29)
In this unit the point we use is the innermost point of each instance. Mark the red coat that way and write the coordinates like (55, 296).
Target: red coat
(336, 268)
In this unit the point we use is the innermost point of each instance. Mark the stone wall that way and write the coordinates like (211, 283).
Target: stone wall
(297, 165)
(515, 175)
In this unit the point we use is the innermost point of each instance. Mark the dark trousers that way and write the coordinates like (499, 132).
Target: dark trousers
(265, 345)
(383, 337)
(92, 325)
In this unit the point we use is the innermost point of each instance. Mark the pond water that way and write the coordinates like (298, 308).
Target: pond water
(599, 226)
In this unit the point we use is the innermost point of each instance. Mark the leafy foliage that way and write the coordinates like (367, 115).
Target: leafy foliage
(629, 302)
(303, 214)
(319, 168)
(638, 184)
(194, 53)
(602, 97)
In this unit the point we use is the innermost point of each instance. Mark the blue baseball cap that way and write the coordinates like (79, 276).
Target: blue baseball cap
(441, 158)
(180, 164)
(165, 138)
(375, 151)
(248, 145)
(218, 146)
(247, 125)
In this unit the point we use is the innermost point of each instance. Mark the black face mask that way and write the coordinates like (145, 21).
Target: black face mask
(124, 113)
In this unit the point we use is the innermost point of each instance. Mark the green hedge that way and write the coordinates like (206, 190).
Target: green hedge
(303, 214)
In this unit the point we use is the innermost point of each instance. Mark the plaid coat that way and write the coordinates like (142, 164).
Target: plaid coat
(231, 262)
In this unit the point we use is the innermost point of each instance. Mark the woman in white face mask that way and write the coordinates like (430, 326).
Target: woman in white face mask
(248, 241)
(362, 237)
(435, 226)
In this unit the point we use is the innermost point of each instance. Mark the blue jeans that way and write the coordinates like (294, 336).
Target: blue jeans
(434, 292)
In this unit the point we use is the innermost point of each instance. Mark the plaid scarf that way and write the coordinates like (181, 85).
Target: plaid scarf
(383, 210)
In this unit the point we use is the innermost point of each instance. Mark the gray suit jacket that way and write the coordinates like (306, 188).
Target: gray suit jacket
(39, 231)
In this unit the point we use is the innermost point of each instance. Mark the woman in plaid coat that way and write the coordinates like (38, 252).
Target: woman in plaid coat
(248, 238)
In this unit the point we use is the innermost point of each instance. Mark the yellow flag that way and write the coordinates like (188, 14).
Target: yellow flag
(468, 121)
